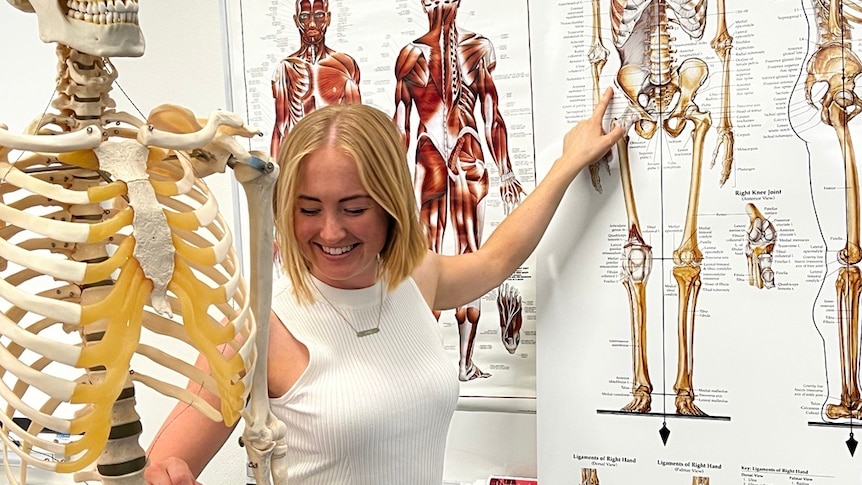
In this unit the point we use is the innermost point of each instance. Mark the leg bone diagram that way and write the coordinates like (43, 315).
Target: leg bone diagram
(830, 91)
(660, 90)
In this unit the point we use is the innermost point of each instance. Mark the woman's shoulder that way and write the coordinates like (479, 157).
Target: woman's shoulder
(426, 276)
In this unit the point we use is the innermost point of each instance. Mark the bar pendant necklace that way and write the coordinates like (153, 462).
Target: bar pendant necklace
(359, 333)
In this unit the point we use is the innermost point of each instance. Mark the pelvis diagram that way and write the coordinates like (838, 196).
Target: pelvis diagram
(823, 113)
(661, 92)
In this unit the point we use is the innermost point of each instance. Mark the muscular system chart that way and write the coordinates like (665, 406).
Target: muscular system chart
(422, 62)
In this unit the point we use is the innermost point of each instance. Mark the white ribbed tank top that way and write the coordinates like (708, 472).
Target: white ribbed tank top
(373, 410)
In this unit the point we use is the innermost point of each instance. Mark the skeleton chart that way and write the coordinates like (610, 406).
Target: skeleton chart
(746, 374)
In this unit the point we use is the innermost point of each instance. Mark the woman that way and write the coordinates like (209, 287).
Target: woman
(356, 369)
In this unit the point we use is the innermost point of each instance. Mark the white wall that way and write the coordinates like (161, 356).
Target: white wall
(184, 64)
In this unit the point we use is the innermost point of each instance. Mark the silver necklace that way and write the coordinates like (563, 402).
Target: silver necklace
(359, 333)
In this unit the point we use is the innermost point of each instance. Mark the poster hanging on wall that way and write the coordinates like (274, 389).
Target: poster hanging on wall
(699, 293)
(416, 61)
(704, 327)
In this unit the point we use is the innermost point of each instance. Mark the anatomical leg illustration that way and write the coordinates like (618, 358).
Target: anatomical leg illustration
(825, 121)
(589, 476)
(759, 245)
(447, 75)
(661, 92)
(107, 231)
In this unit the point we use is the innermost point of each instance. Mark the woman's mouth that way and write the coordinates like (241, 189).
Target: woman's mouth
(337, 251)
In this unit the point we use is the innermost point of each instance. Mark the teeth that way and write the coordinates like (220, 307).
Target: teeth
(337, 251)
(103, 12)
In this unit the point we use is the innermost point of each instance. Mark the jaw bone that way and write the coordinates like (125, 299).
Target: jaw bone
(106, 28)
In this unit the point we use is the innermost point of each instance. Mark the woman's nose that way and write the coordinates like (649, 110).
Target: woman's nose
(332, 230)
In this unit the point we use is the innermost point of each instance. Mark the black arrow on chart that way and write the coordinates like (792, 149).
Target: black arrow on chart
(664, 432)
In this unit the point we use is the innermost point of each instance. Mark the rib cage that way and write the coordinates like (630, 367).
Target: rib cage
(689, 14)
(75, 298)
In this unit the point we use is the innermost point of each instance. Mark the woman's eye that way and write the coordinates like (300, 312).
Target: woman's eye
(355, 212)
(308, 212)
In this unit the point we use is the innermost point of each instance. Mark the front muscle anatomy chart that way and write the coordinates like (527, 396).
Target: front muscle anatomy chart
(446, 74)
(825, 122)
(661, 91)
(312, 77)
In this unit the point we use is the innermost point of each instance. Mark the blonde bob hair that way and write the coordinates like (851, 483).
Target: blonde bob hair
(370, 137)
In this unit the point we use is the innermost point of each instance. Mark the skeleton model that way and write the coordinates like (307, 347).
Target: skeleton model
(661, 95)
(589, 476)
(444, 74)
(832, 104)
(759, 245)
(313, 76)
(108, 230)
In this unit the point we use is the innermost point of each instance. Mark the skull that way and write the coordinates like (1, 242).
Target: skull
(104, 28)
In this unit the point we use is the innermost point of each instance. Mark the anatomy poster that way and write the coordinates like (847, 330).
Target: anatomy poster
(699, 311)
(692, 314)
(422, 62)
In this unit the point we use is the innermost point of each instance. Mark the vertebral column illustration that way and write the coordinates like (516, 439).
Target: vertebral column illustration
(445, 74)
(759, 245)
(830, 83)
(108, 233)
(312, 77)
(661, 95)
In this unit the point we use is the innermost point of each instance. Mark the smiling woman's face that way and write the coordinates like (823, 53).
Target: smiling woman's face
(339, 227)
